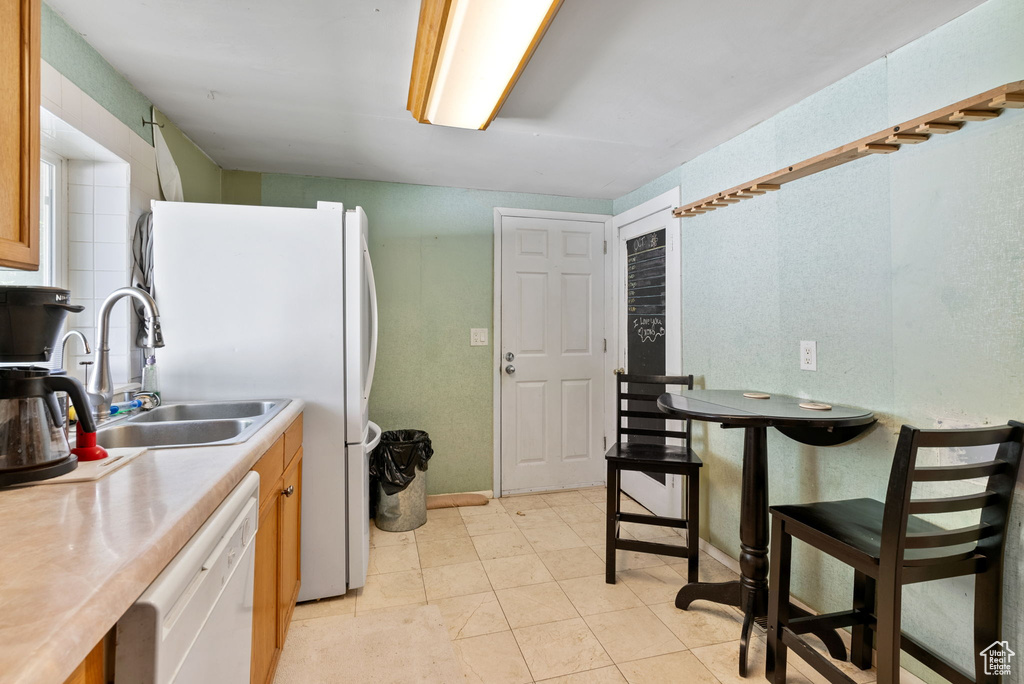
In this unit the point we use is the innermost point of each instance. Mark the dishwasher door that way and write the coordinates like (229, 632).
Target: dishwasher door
(193, 625)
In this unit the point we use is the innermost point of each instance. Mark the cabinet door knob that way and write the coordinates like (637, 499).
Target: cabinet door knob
(289, 491)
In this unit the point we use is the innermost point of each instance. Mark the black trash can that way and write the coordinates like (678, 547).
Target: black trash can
(398, 467)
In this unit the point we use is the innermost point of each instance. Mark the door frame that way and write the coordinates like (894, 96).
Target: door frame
(609, 311)
(666, 201)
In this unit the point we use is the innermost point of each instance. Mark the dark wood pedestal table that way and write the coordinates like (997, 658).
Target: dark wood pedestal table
(808, 426)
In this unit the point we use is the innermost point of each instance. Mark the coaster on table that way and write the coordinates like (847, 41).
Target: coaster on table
(757, 395)
(815, 406)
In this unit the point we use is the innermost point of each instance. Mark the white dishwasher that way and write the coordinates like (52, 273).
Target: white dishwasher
(193, 625)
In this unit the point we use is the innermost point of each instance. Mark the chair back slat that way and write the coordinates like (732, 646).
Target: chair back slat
(633, 388)
(966, 471)
(960, 439)
(646, 432)
(963, 535)
(634, 396)
(684, 380)
(656, 415)
(952, 504)
(988, 535)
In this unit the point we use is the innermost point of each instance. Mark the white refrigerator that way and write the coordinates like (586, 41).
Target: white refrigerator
(265, 303)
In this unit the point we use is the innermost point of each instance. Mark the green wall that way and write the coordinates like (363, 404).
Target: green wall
(906, 270)
(433, 253)
(241, 187)
(200, 175)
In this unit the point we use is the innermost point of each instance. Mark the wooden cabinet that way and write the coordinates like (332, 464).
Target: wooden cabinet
(291, 525)
(19, 133)
(278, 569)
(92, 670)
(264, 605)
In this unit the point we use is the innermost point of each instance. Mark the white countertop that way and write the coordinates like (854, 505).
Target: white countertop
(74, 557)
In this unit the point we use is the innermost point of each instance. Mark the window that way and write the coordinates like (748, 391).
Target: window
(51, 231)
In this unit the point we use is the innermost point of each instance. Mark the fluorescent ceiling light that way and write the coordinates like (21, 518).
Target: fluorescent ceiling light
(469, 54)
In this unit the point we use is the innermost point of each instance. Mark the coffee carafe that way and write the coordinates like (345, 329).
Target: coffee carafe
(32, 442)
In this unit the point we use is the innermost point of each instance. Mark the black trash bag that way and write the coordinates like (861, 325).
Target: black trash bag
(394, 461)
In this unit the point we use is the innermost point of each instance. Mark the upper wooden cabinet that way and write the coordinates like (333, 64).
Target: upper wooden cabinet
(19, 134)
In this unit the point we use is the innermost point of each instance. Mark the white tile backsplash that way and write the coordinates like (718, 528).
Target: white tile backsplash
(50, 84)
(105, 199)
(80, 198)
(80, 227)
(111, 200)
(111, 228)
(80, 172)
(110, 256)
(81, 284)
(80, 257)
(111, 174)
(71, 101)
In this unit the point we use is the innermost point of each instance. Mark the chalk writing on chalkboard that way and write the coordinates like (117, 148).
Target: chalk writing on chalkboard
(649, 329)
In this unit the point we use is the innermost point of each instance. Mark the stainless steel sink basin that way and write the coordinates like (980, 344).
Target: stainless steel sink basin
(191, 424)
(216, 410)
(188, 433)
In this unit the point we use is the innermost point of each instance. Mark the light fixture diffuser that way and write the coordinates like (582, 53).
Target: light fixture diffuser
(469, 55)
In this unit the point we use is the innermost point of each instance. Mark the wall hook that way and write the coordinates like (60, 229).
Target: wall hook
(151, 123)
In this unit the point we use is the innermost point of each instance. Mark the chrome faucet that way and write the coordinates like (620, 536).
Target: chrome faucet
(64, 345)
(101, 386)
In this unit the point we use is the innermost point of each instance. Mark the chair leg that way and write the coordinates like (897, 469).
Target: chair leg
(692, 526)
(888, 608)
(778, 602)
(988, 619)
(863, 599)
(611, 521)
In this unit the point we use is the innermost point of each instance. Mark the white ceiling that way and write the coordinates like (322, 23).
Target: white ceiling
(619, 91)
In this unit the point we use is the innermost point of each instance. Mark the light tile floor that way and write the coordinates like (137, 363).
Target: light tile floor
(520, 585)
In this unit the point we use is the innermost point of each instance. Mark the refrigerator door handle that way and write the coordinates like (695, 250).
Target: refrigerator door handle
(372, 444)
(373, 320)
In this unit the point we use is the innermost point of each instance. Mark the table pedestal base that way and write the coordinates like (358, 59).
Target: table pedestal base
(750, 592)
(731, 594)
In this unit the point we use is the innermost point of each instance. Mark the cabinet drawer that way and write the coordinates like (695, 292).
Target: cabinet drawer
(292, 439)
(270, 467)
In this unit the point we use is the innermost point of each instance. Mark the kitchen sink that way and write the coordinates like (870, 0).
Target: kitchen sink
(207, 410)
(210, 423)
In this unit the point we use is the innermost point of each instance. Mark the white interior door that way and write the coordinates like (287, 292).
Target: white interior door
(648, 321)
(552, 399)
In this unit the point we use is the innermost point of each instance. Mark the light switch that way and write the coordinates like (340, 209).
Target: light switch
(478, 337)
(808, 355)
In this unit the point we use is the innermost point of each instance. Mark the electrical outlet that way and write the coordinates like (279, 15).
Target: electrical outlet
(808, 355)
(478, 337)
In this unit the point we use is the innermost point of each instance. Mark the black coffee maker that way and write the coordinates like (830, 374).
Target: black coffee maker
(32, 442)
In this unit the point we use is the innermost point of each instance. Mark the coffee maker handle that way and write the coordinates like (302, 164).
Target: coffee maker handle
(70, 308)
(62, 383)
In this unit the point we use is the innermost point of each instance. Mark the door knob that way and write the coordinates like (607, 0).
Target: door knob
(510, 369)
(509, 356)
(289, 491)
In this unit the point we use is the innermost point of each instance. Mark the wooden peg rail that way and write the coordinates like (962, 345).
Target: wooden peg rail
(983, 107)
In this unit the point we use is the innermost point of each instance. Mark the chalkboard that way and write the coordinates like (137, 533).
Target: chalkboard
(645, 303)
(645, 323)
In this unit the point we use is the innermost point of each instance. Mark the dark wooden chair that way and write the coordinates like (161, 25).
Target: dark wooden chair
(651, 458)
(889, 546)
